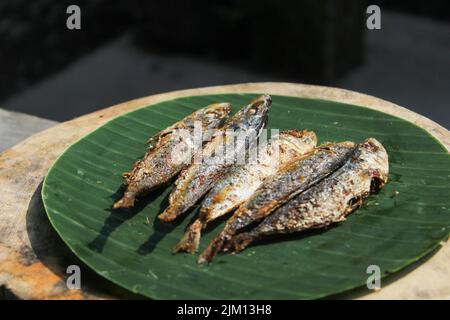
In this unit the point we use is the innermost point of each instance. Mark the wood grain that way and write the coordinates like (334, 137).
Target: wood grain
(33, 259)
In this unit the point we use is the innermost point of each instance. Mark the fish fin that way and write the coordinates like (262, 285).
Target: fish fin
(161, 134)
(207, 255)
(126, 175)
(170, 214)
(213, 248)
(152, 139)
(127, 201)
(191, 238)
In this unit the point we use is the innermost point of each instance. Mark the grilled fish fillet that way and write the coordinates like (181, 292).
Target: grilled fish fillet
(242, 180)
(196, 180)
(330, 201)
(160, 163)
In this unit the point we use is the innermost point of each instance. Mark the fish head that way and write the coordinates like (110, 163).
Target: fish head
(214, 115)
(258, 109)
(253, 116)
(298, 139)
(376, 159)
(296, 142)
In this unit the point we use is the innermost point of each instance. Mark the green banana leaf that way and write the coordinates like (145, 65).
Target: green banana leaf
(393, 229)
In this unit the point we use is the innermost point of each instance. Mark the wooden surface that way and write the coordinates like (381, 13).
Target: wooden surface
(33, 259)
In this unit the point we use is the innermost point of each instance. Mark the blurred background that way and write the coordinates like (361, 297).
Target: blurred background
(129, 49)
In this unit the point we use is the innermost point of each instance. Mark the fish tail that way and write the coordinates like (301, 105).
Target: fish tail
(209, 252)
(191, 238)
(127, 201)
(170, 214)
(213, 248)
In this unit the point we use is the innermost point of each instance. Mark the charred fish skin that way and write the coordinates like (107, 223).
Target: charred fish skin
(158, 166)
(198, 178)
(328, 202)
(293, 178)
(242, 180)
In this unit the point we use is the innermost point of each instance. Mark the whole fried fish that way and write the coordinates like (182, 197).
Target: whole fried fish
(161, 163)
(198, 178)
(242, 180)
(330, 201)
(293, 178)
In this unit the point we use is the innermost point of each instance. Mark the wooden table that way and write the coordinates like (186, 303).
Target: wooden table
(33, 259)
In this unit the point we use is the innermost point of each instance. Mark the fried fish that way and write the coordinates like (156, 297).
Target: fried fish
(242, 180)
(159, 164)
(197, 179)
(328, 202)
(292, 179)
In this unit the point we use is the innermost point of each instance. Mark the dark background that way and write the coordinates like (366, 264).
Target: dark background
(129, 49)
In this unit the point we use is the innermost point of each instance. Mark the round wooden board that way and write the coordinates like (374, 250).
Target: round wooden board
(33, 260)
